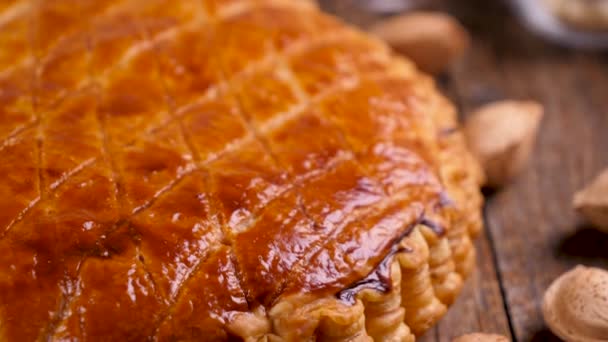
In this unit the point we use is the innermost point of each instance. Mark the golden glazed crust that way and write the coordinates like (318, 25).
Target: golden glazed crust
(216, 169)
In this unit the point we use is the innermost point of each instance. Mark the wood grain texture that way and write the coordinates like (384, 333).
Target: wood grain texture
(479, 307)
(532, 233)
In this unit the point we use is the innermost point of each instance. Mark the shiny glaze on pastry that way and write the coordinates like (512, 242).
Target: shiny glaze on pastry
(187, 170)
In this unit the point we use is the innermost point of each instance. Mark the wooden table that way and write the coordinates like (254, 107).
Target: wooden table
(532, 234)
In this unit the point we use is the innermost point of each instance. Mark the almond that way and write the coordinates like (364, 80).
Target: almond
(592, 201)
(481, 337)
(575, 306)
(432, 40)
(582, 14)
(501, 136)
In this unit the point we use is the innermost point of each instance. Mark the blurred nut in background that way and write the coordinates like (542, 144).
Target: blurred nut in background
(480, 337)
(501, 135)
(575, 306)
(582, 14)
(592, 201)
(432, 40)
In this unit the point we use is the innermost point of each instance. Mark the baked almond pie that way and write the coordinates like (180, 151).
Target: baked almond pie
(211, 170)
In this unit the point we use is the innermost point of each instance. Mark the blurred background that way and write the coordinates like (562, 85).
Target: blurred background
(554, 52)
(574, 23)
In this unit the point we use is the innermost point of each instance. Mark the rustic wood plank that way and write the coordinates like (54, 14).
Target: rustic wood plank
(480, 306)
(536, 234)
